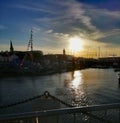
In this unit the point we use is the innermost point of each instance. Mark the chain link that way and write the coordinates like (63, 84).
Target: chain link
(46, 95)
(21, 102)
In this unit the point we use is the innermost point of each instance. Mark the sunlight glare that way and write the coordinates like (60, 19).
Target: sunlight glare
(77, 79)
(76, 44)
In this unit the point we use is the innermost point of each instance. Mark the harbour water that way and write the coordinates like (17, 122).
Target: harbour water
(79, 88)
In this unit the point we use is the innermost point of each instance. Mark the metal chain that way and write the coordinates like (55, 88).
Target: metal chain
(46, 95)
(61, 101)
(21, 102)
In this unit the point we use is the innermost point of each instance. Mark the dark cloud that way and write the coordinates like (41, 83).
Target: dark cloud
(104, 19)
(112, 39)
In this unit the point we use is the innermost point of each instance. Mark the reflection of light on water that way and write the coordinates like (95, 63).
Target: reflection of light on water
(76, 85)
(77, 80)
(77, 89)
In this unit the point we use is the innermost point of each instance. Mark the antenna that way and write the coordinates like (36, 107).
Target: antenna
(29, 48)
(30, 43)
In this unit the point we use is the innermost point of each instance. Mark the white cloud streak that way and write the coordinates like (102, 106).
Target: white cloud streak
(2, 27)
(35, 8)
(68, 12)
(71, 17)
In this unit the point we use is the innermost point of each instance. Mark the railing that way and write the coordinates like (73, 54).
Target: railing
(105, 113)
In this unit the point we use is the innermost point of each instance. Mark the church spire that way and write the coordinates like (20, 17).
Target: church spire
(11, 47)
(64, 52)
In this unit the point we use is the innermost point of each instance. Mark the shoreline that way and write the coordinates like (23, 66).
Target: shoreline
(24, 73)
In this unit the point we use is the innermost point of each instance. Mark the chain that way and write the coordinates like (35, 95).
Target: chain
(61, 101)
(46, 95)
(21, 102)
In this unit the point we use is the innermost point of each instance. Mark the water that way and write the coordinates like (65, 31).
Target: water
(82, 87)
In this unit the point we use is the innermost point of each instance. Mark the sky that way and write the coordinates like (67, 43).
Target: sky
(54, 22)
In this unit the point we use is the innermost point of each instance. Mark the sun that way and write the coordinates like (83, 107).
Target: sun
(76, 44)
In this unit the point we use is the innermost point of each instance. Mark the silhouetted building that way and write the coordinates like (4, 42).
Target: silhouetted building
(63, 51)
(11, 47)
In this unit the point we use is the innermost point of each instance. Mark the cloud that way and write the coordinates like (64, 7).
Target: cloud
(99, 35)
(51, 40)
(104, 19)
(71, 14)
(35, 8)
(54, 21)
(87, 21)
(114, 14)
(49, 31)
(112, 37)
(109, 38)
(61, 15)
(77, 11)
(35, 29)
(107, 25)
(2, 27)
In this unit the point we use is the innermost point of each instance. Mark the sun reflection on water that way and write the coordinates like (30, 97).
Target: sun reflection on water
(77, 89)
(77, 79)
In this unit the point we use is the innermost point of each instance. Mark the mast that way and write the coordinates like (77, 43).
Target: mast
(29, 48)
(30, 44)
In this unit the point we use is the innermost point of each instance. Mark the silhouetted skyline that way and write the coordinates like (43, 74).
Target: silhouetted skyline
(54, 22)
